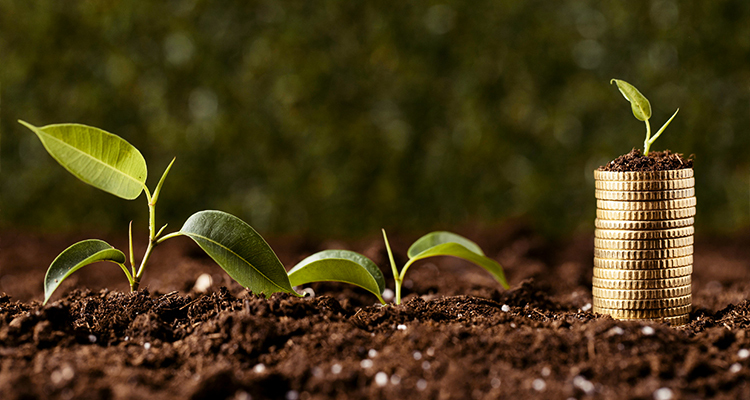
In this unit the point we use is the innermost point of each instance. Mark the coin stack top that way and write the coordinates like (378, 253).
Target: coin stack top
(643, 246)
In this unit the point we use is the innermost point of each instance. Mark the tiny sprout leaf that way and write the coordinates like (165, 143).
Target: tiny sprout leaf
(449, 244)
(340, 266)
(77, 256)
(638, 102)
(157, 191)
(239, 250)
(99, 158)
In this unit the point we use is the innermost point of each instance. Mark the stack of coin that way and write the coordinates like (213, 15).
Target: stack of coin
(643, 250)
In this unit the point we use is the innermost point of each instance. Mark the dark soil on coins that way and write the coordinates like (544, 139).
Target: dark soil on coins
(458, 335)
(656, 161)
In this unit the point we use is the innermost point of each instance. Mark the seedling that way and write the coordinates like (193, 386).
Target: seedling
(642, 111)
(354, 268)
(108, 162)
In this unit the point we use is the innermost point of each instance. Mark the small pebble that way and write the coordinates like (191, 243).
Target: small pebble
(421, 384)
(425, 365)
(431, 351)
(336, 369)
(735, 368)
(664, 393)
(495, 382)
(417, 355)
(388, 295)
(203, 282)
(546, 372)
(743, 354)
(292, 395)
(259, 368)
(584, 384)
(147, 345)
(586, 307)
(648, 331)
(616, 330)
(381, 379)
(309, 292)
(372, 353)
(366, 363)
(395, 379)
(539, 385)
(92, 338)
(505, 308)
(317, 372)
(401, 327)
(513, 325)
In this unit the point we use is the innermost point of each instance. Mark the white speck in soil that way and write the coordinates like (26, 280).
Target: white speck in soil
(366, 363)
(401, 327)
(417, 355)
(505, 308)
(586, 307)
(388, 294)
(648, 331)
(395, 379)
(584, 384)
(62, 375)
(735, 368)
(259, 368)
(381, 379)
(743, 354)
(431, 351)
(126, 338)
(513, 325)
(92, 338)
(408, 283)
(372, 353)
(336, 369)
(292, 395)
(147, 345)
(664, 393)
(203, 282)
(308, 292)
(546, 371)
(616, 330)
(242, 395)
(425, 365)
(495, 382)
(539, 385)
(620, 346)
(317, 372)
(421, 384)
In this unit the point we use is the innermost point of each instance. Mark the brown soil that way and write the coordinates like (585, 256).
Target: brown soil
(458, 335)
(656, 161)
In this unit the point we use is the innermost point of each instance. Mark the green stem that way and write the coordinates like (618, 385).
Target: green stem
(647, 142)
(151, 242)
(396, 276)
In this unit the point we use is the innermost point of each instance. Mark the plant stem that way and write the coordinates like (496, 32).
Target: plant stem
(151, 242)
(396, 276)
(647, 142)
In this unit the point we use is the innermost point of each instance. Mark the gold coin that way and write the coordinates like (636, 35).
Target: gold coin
(648, 304)
(641, 294)
(644, 235)
(642, 274)
(645, 205)
(643, 254)
(643, 225)
(645, 185)
(665, 263)
(680, 213)
(643, 314)
(640, 284)
(619, 244)
(678, 320)
(644, 196)
(643, 175)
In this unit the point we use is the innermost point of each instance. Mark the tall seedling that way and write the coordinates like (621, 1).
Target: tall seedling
(108, 162)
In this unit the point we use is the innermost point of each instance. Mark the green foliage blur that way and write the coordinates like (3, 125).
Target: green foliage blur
(341, 117)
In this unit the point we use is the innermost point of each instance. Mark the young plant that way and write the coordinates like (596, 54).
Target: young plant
(354, 268)
(108, 162)
(642, 111)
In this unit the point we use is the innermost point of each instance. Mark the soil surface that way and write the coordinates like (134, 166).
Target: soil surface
(458, 335)
(656, 161)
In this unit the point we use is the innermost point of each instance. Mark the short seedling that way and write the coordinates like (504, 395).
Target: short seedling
(642, 111)
(108, 162)
(354, 268)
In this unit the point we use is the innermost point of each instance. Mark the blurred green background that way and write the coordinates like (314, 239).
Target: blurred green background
(340, 117)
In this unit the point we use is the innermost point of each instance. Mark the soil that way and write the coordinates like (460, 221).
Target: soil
(656, 161)
(458, 335)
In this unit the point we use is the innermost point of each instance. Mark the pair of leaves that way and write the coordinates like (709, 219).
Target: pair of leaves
(228, 240)
(350, 267)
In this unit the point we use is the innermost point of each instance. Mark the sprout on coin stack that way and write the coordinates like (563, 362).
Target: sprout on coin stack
(643, 250)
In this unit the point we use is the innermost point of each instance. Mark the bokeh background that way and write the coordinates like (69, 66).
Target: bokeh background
(341, 117)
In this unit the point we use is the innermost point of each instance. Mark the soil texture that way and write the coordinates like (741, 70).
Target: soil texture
(458, 335)
(656, 161)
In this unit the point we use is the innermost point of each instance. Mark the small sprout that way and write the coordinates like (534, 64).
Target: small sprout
(642, 111)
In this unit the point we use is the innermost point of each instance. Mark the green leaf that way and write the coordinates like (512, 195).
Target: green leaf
(77, 256)
(101, 159)
(157, 191)
(340, 266)
(239, 250)
(433, 239)
(638, 102)
(449, 244)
